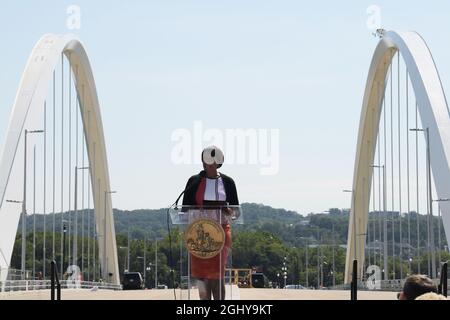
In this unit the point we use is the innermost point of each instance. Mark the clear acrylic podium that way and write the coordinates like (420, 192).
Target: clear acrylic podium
(206, 252)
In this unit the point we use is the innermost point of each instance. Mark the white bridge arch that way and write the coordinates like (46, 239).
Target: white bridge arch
(32, 92)
(434, 114)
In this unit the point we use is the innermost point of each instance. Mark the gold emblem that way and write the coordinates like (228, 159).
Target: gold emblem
(204, 238)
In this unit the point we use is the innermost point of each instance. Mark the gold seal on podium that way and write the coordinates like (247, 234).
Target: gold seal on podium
(204, 238)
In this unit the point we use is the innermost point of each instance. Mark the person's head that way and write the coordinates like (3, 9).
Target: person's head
(212, 159)
(416, 285)
(431, 296)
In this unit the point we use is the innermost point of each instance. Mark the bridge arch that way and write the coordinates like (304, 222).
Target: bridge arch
(32, 91)
(434, 114)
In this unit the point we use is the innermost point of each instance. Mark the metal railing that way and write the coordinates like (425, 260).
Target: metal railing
(30, 285)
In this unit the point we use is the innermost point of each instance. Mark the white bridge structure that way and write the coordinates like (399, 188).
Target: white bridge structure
(39, 106)
(422, 76)
(33, 99)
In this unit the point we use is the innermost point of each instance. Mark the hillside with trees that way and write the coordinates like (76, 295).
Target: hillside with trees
(267, 238)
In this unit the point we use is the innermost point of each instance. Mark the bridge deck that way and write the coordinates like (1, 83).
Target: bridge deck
(245, 294)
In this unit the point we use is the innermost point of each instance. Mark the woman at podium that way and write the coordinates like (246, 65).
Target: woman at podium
(211, 186)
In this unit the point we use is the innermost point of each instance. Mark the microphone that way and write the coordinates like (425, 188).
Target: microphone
(178, 199)
(192, 184)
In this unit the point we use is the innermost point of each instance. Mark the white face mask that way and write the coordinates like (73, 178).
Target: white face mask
(212, 155)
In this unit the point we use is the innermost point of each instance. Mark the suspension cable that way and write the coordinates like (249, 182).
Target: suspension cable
(44, 211)
(399, 166)
(62, 165)
(380, 216)
(83, 212)
(86, 130)
(54, 169)
(373, 212)
(417, 189)
(408, 195)
(392, 170)
(380, 222)
(34, 212)
(69, 166)
(385, 234)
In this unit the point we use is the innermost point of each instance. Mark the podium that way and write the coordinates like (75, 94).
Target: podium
(206, 254)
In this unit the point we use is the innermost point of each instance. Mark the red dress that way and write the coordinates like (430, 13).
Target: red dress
(212, 268)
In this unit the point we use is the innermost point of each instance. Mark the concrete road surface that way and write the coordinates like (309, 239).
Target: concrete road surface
(168, 294)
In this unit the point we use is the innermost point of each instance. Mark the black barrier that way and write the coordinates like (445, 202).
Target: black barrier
(442, 288)
(445, 276)
(54, 280)
(354, 283)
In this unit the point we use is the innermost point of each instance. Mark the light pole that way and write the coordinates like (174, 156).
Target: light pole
(354, 220)
(321, 272)
(144, 266)
(284, 271)
(148, 268)
(385, 245)
(439, 226)
(64, 247)
(334, 265)
(318, 259)
(128, 248)
(181, 265)
(306, 260)
(124, 260)
(75, 235)
(145, 256)
(156, 263)
(105, 267)
(24, 201)
(430, 237)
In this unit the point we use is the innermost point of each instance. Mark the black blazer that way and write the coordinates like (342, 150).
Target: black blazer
(194, 182)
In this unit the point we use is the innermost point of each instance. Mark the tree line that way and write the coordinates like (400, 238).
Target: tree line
(268, 240)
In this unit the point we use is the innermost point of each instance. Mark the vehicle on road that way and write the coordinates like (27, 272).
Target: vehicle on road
(132, 281)
(161, 286)
(295, 286)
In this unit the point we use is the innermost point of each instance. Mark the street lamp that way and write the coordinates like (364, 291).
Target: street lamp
(321, 272)
(354, 220)
(430, 237)
(284, 271)
(75, 236)
(306, 260)
(144, 261)
(439, 225)
(145, 256)
(410, 262)
(64, 246)
(149, 268)
(385, 248)
(181, 265)
(156, 262)
(144, 267)
(105, 267)
(24, 201)
(124, 259)
(334, 264)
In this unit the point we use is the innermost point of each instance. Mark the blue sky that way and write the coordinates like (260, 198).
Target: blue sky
(299, 67)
